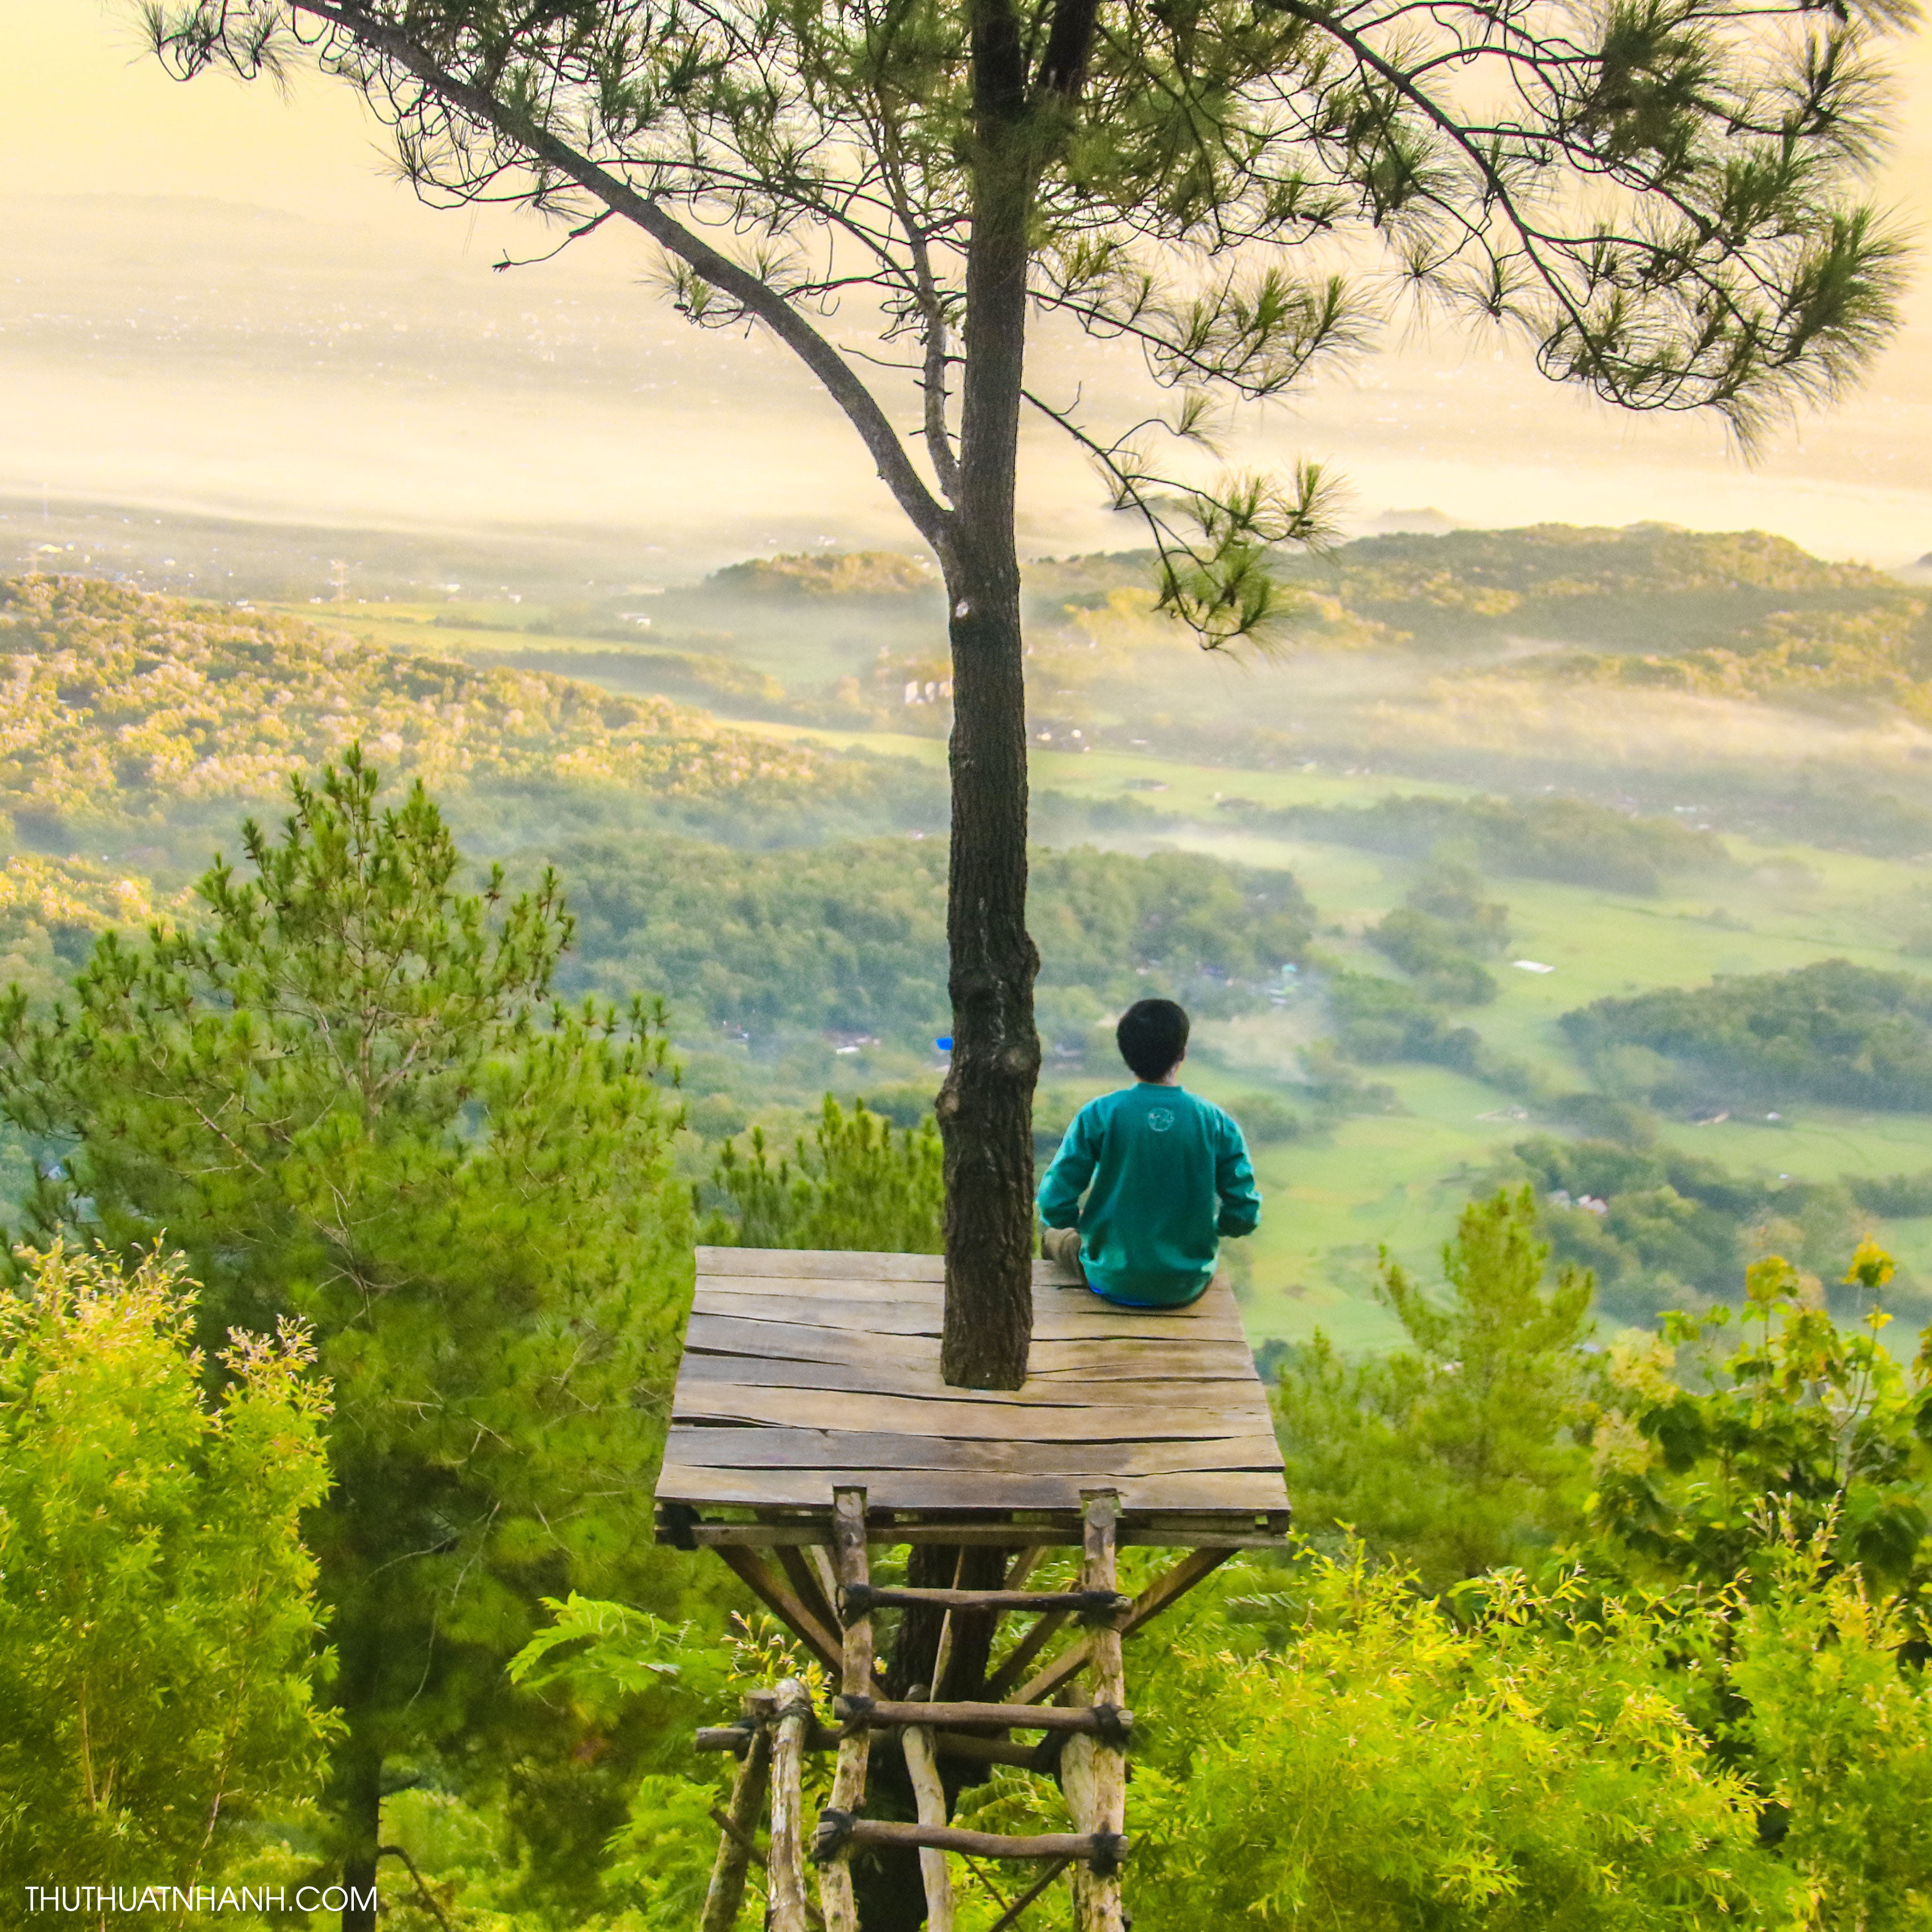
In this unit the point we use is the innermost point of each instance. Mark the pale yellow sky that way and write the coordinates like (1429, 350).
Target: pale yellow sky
(213, 298)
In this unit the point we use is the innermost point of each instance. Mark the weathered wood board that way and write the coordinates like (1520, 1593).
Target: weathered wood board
(803, 1370)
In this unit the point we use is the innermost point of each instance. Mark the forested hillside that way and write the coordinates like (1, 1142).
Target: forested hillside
(117, 703)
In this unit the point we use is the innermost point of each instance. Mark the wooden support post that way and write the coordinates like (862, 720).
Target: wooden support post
(736, 1846)
(1092, 1769)
(848, 1781)
(929, 1794)
(802, 1576)
(785, 1860)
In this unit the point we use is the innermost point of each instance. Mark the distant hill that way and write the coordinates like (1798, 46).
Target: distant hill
(866, 573)
(114, 702)
(1737, 614)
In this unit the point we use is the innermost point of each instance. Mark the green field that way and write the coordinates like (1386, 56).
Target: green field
(1399, 1179)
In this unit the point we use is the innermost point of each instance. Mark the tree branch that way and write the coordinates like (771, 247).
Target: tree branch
(929, 516)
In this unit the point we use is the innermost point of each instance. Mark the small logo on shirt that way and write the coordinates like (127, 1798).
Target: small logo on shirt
(1160, 1119)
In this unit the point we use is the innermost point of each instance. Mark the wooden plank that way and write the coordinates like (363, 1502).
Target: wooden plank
(1091, 1319)
(831, 1303)
(821, 1265)
(1144, 1528)
(1246, 1492)
(697, 1373)
(958, 1414)
(804, 1341)
(829, 1311)
(806, 1448)
(813, 1264)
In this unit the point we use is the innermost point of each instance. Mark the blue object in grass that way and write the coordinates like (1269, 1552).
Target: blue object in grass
(944, 1042)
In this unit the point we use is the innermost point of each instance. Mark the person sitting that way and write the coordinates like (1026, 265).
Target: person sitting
(1165, 1175)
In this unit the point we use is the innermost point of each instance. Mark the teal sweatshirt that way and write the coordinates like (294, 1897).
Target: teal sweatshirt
(1166, 1174)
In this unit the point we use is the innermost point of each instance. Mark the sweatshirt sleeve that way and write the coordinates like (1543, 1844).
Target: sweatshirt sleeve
(1072, 1168)
(1234, 1182)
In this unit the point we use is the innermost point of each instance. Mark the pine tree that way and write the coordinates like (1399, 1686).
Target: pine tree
(349, 1098)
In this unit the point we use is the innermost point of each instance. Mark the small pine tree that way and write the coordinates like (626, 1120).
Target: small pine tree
(1456, 1453)
(856, 1184)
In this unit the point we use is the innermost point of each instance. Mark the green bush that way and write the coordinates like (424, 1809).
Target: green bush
(159, 1652)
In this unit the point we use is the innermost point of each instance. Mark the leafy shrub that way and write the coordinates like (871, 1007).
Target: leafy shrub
(1427, 949)
(1817, 1429)
(1328, 1748)
(158, 1659)
(1264, 1119)
(1449, 1454)
(1378, 1020)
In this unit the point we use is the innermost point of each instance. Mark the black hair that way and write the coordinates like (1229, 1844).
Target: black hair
(1153, 1036)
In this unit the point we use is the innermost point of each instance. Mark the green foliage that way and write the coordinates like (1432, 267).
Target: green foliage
(1804, 1433)
(1265, 1120)
(1657, 1225)
(1837, 1737)
(131, 702)
(1334, 1750)
(866, 573)
(348, 1097)
(1845, 1034)
(856, 1184)
(1437, 934)
(157, 1626)
(1378, 1020)
(852, 937)
(1453, 1454)
(1567, 839)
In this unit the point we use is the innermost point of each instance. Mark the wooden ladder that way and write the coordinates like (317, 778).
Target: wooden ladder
(1084, 1745)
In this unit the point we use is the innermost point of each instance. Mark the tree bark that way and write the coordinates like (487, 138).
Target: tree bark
(358, 1795)
(986, 1107)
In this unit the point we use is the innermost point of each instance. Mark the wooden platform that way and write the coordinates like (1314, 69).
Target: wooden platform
(803, 1370)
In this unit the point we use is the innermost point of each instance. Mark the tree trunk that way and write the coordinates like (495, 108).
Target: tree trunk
(358, 1804)
(986, 1107)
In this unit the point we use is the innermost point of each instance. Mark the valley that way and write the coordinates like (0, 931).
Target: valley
(665, 747)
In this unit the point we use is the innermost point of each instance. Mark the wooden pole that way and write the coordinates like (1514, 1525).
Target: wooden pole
(836, 1895)
(785, 1861)
(1094, 1769)
(736, 1847)
(922, 1768)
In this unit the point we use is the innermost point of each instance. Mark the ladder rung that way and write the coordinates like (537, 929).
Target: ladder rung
(1101, 1849)
(858, 1600)
(736, 1739)
(1102, 1720)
